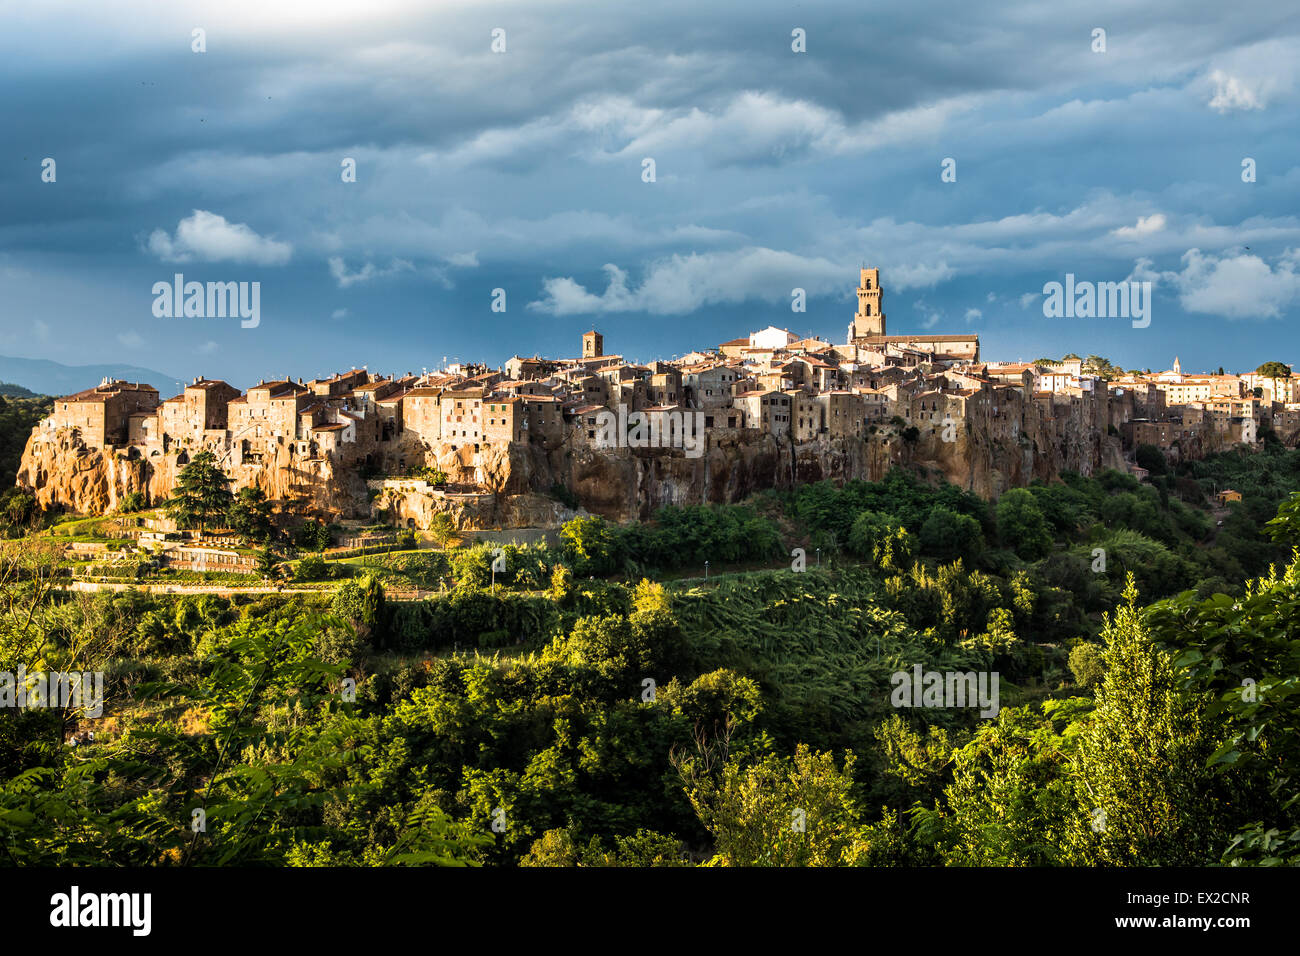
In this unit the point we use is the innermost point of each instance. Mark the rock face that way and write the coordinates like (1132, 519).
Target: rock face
(513, 482)
(624, 484)
(63, 471)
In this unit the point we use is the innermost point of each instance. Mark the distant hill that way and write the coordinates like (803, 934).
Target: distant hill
(52, 378)
(15, 391)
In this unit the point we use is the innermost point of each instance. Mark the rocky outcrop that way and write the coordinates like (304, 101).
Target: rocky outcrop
(62, 471)
(512, 484)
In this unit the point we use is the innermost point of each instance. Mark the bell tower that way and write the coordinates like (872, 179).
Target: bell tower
(870, 317)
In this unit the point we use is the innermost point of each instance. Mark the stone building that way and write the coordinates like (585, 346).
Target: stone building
(102, 414)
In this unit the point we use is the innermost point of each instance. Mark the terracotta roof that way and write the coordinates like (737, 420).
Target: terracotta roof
(1011, 368)
(102, 393)
(887, 339)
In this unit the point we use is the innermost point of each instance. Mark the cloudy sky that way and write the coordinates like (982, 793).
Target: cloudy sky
(525, 170)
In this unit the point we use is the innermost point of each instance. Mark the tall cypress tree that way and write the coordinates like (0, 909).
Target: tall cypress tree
(1144, 756)
(201, 493)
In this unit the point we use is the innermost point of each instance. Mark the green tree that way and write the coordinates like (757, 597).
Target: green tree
(1014, 800)
(20, 507)
(782, 811)
(882, 539)
(442, 528)
(201, 494)
(472, 567)
(250, 515)
(267, 563)
(590, 545)
(1151, 458)
(313, 536)
(1021, 525)
(361, 604)
(1097, 365)
(1144, 753)
(1275, 372)
(1087, 664)
(643, 848)
(949, 536)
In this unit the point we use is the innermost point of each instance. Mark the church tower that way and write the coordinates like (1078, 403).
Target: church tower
(870, 317)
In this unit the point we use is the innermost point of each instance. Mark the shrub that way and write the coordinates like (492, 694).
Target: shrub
(1087, 664)
(311, 568)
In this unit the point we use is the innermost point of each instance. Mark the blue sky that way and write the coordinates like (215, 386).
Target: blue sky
(522, 170)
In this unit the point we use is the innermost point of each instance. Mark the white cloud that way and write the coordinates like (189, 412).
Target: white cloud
(339, 314)
(919, 275)
(973, 314)
(339, 270)
(749, 126)
(1028, 299)
(1236, 285)
(1145, 226)
(207, 237)
(1232, 93)
(132, 340)
(207, 348)
(683, 283)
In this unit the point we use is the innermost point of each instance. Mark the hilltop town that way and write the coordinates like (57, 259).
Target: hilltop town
(775, 409)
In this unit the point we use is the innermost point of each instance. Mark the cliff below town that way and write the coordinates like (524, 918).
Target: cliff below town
(511, 484)
(62, 471)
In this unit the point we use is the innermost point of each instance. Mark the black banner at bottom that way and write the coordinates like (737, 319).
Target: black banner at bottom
(332, 905)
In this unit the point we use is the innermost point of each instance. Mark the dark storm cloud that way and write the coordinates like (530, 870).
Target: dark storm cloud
(523, 171)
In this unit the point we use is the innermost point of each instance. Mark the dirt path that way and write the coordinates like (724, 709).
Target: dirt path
(227, 590)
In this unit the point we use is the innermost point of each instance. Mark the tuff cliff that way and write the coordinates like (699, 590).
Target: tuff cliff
(512, 483)
(61, 470)
(627, 483)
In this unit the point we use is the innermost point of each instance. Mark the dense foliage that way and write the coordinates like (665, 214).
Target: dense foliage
(601, 703)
